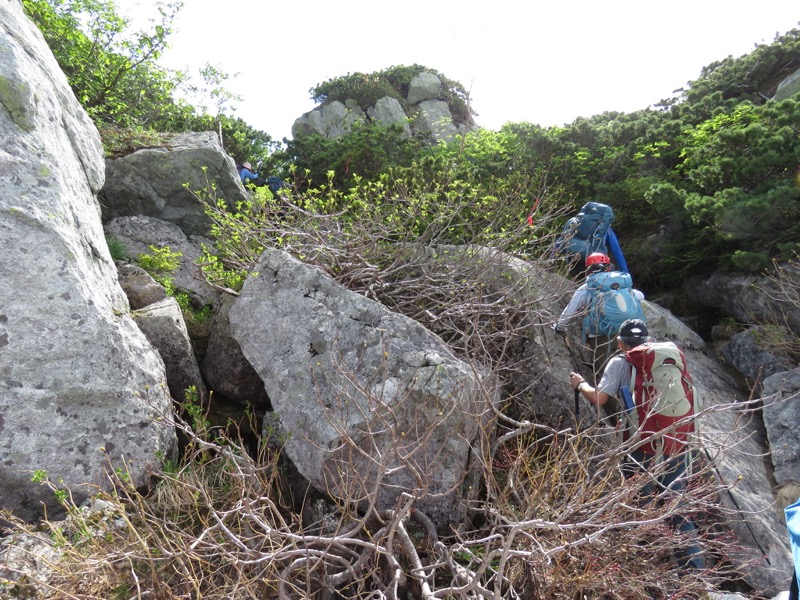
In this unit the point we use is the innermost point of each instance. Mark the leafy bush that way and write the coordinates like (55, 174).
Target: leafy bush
(161, 264)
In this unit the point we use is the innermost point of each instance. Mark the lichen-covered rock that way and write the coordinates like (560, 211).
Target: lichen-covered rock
(81, 388)
(373, 403)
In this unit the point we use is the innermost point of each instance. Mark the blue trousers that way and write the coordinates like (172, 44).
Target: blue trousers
(672, 477)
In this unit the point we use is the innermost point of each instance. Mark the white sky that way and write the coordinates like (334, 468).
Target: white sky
(522, 60)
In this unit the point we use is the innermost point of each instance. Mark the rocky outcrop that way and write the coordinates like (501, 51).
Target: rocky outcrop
(162, 182)
(331, 120)
(138, 233)
(424, 86)
(81, 388)
(373, 403)
(425, 113)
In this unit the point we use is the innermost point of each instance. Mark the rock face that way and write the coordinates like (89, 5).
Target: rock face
(225, 368)
(744, 352)
(366, 396)
(80, 384)
(151, 182)
(749, 298)
(781, 414)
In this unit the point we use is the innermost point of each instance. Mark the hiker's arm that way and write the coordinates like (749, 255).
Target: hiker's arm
(593, 395)
(576, 305)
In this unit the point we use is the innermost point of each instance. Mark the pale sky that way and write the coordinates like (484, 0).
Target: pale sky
(535, 61)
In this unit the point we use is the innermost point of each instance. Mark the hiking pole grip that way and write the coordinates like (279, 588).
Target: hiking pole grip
(577, 403)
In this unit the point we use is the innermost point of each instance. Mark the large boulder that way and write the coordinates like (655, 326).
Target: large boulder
(434, 117)
(370, 399)
(388, 112)
(82, 388)
(162, 182)
(330, 120)
(424, 86)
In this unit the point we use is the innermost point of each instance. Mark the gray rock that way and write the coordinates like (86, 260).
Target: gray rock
(164, 327)
(225, 368)
(434, 117)
(340, 372)
(424, 86)
(330, 120)
(781, 413)
(746, 353)
(788, 87)
(139, 286)
(751, 299)
(80, 385)
(388, 111)
(138, 233)
(162, 182)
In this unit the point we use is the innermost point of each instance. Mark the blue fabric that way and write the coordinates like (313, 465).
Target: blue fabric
(792, 513)
(627, 398)
(615, 251)
(246, 174)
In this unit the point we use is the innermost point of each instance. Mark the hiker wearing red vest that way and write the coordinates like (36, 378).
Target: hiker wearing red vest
(659, 417)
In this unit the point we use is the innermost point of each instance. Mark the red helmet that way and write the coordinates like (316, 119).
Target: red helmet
(597, 258)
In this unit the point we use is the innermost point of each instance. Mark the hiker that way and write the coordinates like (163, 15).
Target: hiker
(247, 175)
(645, 376)
(606, 299)
(589, 232)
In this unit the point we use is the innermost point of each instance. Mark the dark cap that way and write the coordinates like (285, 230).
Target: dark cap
(633, 330)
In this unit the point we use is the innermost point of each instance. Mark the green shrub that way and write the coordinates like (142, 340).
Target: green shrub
(161, 264)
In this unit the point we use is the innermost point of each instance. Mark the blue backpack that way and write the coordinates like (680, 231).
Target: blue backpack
(275, 184)
(612, 303)
(586, 232)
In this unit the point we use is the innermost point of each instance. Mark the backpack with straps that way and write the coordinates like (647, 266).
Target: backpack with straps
(586, 232)
(661, 398)
(613, 302)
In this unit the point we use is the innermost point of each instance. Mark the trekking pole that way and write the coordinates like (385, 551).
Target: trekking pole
(577, 364)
